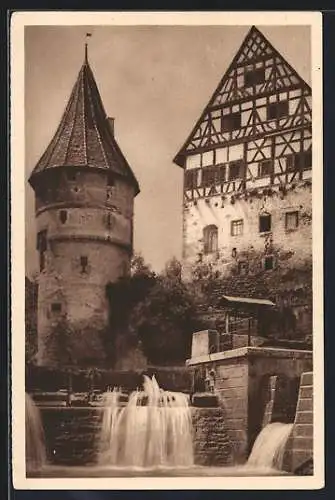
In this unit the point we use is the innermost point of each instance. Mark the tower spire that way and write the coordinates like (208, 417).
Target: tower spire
(86, 47)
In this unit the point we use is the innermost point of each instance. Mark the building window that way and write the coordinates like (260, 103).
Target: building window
(56, 307)
(236, 227)
(210, 234)
(213, 175)
(236, 170)
(264, 168)
(299, 161)
(83, 263)
(63, 216)
(268, 262)
(264, 223)
(254, 77)
(231, 122)
(276, 110)
(243, 267)
(191, 178)
(291, 220)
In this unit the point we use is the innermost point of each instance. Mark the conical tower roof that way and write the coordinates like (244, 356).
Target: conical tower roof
(84, 137)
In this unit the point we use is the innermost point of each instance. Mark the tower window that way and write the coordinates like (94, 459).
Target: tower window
(42, 247)
(291, 220)
(264, 223)
(110, 180)
(84, 263)
(56, 307)
(210, 234)
(63, 216)
(254, 77)
(231, 122)
(236, 170)
(42, 240)
(236, 227)
(109, 220)
(276, 110)
(268, 263)
(264, 168)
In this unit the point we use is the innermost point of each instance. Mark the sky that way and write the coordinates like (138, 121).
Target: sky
(155, 81)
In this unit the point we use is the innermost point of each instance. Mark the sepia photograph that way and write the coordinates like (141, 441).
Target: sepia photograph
(167, 250)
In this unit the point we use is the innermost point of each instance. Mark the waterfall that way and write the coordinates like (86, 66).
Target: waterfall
(35, 446)
(153, 429)
(269, 447)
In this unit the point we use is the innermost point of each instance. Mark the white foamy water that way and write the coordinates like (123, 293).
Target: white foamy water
(153, 429)
(269, 447)
(35, 444)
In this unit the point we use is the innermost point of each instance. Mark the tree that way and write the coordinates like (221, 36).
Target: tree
(166, 318)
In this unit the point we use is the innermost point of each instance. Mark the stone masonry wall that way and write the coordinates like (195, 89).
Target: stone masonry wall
(299, 450)
(212, 445)
(231, 384)
(72, 435)
(85, 219)
(290, 247)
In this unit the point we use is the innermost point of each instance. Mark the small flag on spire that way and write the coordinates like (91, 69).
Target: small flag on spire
(88, 34)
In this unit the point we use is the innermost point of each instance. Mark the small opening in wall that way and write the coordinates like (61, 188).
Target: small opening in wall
(243, 268)
(84, 263)
(63, 216)
(110, 180)
(109, 220)
(268, 263)
(71, 175)
(264, 223)
(56, 307)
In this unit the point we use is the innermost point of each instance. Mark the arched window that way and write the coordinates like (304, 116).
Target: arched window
(210, 238)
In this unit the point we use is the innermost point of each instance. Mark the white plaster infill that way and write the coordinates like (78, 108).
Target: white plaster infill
(245, 352)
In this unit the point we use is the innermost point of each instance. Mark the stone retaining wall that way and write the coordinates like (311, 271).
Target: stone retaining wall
(299, 450)
(72, 435)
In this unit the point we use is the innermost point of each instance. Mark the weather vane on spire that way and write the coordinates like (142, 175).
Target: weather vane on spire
(88, 35)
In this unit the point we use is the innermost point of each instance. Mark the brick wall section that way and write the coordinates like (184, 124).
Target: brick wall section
(300, 445)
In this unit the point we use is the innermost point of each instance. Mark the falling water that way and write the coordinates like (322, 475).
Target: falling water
(153, 429)
(269, 447)
(35, 447)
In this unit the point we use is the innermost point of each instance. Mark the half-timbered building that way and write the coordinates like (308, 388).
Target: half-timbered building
(248, 167)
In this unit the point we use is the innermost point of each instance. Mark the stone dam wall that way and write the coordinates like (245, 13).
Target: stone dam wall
(72, 435)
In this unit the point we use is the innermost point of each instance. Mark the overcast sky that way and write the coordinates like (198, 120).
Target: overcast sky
(155, 81)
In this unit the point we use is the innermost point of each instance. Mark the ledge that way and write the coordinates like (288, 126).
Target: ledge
(247, 352)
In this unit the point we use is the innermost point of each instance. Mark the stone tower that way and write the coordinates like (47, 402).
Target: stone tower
(84, 197)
